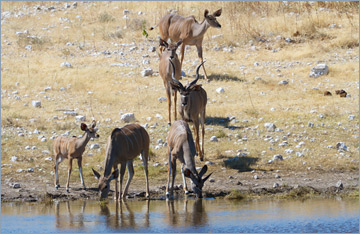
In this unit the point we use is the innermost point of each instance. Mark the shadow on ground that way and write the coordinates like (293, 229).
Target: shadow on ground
(242, 164)
(220, 121)
(219, 77)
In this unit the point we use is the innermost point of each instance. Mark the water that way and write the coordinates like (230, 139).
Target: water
(318, 215)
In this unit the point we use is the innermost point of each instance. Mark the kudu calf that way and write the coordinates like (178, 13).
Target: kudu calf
(72, 148)
(123, 145)
(188, 30)
(181, 147)
(165, 70)
(193, 104)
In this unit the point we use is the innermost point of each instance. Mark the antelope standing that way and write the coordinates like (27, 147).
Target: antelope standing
(72, 148)
(181, 147)
(193, 104)
(123, 145)
(188, 30)
(165, 71)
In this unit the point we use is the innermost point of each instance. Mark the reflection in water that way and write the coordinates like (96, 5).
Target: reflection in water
(69, 220)
(201, 215)
(124, 216)
(194, 217)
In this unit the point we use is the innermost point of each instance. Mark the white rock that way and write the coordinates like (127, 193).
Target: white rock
(147, 72)
(48, 159)
(28, 47)
(27, 147)
(66, 64)
(220, 90)
(277, 157)
(341, 147)
(275, 185)
(162, 99)
(30, 170)
(43, 139)
(128, 117)
(36, 103)
(80, 118)
(158, 116)
(72, 113)
(16, 185)
(319, 70)
(14, 158)
(214, 139)
(270, 127)
(212, 180)
(351, 117)
(283, 82)
(94, 146)
(45, 152)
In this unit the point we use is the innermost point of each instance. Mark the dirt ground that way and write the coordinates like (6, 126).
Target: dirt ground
(290, 185)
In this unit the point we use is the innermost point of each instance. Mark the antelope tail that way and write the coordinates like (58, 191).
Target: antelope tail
(153, 27)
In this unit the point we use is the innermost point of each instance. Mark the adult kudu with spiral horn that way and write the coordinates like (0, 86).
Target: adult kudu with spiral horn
(193, 103)
(188, 30)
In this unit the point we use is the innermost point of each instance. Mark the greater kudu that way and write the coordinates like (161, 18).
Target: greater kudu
(123, 145)
(72, 148)
(188, 30)
(165, 71)
(181, 147)
(193, 104)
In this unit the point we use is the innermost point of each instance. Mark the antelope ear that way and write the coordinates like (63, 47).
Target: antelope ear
(195, 87)
(163, 43)
(93, 124)
(217, 13)
(96, 174)
(187, 173)
(83, 126)
(206, 13)
(174, 86)
(115, 174)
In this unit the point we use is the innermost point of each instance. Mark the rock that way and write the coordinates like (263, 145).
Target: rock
(95, 146)
(209, 163)
(289, 151)
(72, 113)
(43, 139)
(14, 158)
(220, 90)
(156, 164)
(36, 104)
(339, 185)
(277, 157)
(256, 177)
(211, 180)
(239, 183)
(319, 70)
(283, 82)
(152, 49)
(15, 185)
(128, 117)
(277, 176)
(66, 64)
(214, 139)
(162, 99)
(275, 185)
(341, 147)
(310, 125)
(45, 152)
(27, 147)
(48, 159)
(147, 72)
(80, 118)
(28, 47)
(158, 116)
(351, 117)
(270, 127)
(30, 170)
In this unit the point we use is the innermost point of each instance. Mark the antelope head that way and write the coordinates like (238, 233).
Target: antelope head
(171, 49)
(197, 180)
(211, 19)
(104, 182)
(184, 91)
(92, 130)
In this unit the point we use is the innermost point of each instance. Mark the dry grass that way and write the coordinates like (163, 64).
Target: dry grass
(98, 26)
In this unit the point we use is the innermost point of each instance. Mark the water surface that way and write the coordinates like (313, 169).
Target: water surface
(218, 215)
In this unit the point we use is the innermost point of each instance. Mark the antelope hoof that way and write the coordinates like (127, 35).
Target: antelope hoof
(67, 190)
(169, 123)
(84, 188)
(147, 195)
(201, 159)
(186, 192)
(57, 186)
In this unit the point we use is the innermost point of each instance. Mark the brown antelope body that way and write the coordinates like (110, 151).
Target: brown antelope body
(72, 148)
(188, 30)
(165, 70)
(123, 146)
(182, 148)
(193, 104)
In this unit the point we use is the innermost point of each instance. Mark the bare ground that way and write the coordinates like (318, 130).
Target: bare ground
(291, 185)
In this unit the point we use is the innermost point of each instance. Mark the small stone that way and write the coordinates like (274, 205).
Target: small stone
(220, 90)
(275, 185)
(43, 139)
(277, 157)
(339, 185)
(351, 117)
(94, 146)
(16, 185)
(283, 82)
(319, 70)
(214, 139)
(14, 158)
(66, 64)
(80, 118)
(30, 170)
(341, 147)
(36, 104)
(156, 164)
(162, 99)
(147, 72)
(45, 152)
(128, 117)
(152, 49)
(311, 125)
(48, 159)
(212, 180)
(277, 176)
(270, 127)
(209, 163)
(27, 147)
(256, 177)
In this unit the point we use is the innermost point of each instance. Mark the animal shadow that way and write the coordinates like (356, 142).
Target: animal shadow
(220, 77)
(242, 164)
(217, 121)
